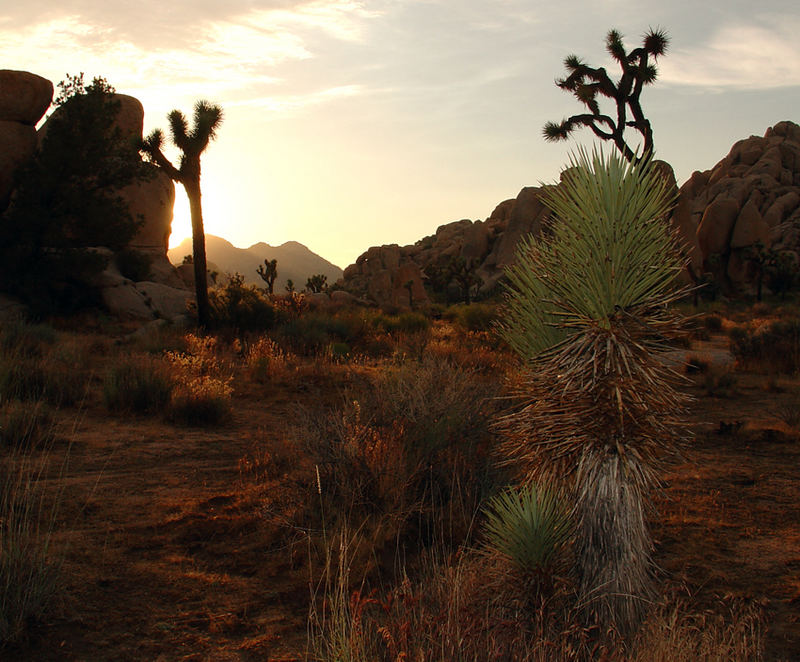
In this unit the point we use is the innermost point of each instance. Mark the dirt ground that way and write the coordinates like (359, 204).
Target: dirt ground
(173, 554)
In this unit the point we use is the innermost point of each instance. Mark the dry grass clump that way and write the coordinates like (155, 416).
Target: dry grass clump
(55, 377)
(265, 361)
(773, 348)
(202, 391)
(474, 606)
(25, 424)
(407, 450)
(138, 384)
(28, 568)
(675, 633)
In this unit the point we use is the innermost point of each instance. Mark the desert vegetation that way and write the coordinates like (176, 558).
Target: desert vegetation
(335, 486)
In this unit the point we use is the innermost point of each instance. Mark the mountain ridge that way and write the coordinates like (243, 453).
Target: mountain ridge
(296, 262)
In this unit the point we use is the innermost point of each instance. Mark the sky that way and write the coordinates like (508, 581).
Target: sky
(350, 124)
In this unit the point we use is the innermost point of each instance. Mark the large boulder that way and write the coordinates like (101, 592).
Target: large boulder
(751, 197)
(17, 146)
(24, 97)
(152, 200)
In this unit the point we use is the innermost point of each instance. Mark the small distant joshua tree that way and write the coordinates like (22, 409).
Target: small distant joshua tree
(268, 272)
(586, 83)
(207, 119)
(317, 283)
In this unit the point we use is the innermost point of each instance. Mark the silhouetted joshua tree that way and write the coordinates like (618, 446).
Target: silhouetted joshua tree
(268, 272)
(317, 283)
(586, 83)
(207, 118)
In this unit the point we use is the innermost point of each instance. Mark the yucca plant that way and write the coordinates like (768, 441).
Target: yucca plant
(587, 311)
(530, 527)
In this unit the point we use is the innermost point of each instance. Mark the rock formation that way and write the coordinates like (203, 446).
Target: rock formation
(24, 98)
(749, 199)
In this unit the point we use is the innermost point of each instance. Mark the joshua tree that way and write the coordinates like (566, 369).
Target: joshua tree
(207, 118)
(586, 83)
(268, 273)
(317, 283)
(588, 312)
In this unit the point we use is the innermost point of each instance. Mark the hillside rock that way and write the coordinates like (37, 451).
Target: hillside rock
(17, 146)
(751, 197)
(152, 200)
(24, 97)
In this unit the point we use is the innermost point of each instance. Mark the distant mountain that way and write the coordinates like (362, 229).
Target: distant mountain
(295, 261)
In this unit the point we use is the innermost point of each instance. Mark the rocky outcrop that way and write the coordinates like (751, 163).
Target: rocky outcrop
(750, 199)
(387, 276)
(24, 98)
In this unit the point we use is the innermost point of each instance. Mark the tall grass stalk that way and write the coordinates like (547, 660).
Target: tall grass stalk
(28, 566)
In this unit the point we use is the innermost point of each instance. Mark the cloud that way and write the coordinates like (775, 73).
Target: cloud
(740, 56)
(282, 104)
(228, 58)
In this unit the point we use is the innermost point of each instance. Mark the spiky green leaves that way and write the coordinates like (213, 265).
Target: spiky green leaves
(554, 131)
(656, 42)
(529, 526)
(615, 47)
(610, 251)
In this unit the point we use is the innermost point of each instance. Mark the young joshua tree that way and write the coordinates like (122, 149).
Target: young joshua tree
(207, 119)
(268, 272)
(587, 83)
(587, 312)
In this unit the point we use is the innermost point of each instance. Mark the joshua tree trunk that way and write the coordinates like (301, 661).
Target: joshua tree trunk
(207, 118)
(199, 252)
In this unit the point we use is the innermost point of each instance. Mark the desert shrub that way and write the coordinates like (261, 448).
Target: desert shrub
(473, 317)
(241, 307)
(774, 348)
(720, 382)
(462, 608)
(265, 360)
(53, 379)
(315, 332)
(25, 424)
(133, 264)
(412, 446)
(28, 340)
(138, 384)
(713, 322)
(28, 567)
(202, 392)
(201, 401)
(404, 323)
(161, 339)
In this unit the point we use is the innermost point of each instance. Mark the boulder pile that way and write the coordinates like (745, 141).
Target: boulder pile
(24, 98)
(750, 199)
(749, 202)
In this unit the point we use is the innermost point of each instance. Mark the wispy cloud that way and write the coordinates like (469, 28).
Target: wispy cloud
(228, 58)
(282, 104)
(761, 54)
